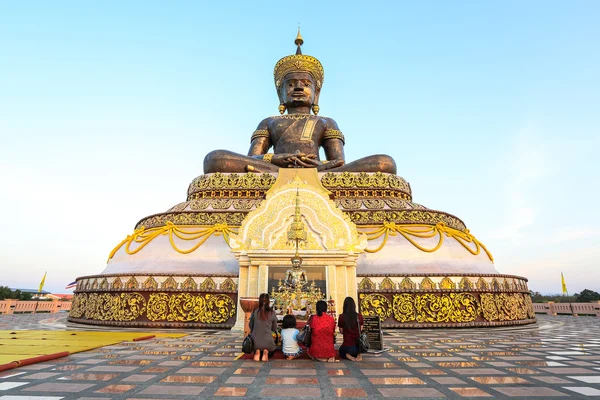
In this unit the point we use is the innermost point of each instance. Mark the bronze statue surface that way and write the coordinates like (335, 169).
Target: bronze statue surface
(295, 277)
(297, 136)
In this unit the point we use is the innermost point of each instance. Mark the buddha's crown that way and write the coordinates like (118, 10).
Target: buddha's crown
(298, 63)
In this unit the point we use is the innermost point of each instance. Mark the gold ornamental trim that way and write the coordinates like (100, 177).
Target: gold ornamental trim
(216, 204)
(331, 180)
(333, 134)
(227, 194)
(293, 116)
(259, 133)
(448, 308)
(418, 231)
(389, 283)
(198, 236)
(405, 217)
(298, 63)
(232, 181)
(221, 283)
(359, 217)
(364, 180)
(352, 194)
(158, 307)
(192, 218)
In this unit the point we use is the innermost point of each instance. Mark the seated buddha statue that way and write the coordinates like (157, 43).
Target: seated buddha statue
(297, 136)
(296, 276)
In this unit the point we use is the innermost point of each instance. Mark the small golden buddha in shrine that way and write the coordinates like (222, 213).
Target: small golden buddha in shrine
(296, 276)
(297, 136)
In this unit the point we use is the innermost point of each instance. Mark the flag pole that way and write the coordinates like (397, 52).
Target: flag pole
(40, 291)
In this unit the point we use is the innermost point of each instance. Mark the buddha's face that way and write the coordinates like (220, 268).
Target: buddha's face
(296, 262)
(298, 89)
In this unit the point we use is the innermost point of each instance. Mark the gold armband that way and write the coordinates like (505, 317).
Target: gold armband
(267, 157)
(334, 134)
(259, 133)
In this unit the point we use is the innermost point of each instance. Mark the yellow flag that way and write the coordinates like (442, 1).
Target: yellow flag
(42, 282)
(564, 285)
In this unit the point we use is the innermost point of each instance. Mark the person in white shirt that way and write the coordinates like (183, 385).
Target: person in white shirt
(289, 338)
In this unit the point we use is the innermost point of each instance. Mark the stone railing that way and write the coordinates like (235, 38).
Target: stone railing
(19, 306)
(575, 309)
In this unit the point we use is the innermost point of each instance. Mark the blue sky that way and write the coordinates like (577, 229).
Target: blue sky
(491, 110)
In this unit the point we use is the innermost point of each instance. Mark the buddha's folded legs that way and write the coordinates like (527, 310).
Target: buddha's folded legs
(228, 161)
(374, 163)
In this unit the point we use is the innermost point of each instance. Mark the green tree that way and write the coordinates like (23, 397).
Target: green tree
(587, 296)
(5, 293)
(25, 296)
(537, 297)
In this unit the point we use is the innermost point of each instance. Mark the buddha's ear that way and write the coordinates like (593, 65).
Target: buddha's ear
(315, 106)
(281, 105)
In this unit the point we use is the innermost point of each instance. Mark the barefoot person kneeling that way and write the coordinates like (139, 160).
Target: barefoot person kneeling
(322, 337)
(348, 323)
(262, 323)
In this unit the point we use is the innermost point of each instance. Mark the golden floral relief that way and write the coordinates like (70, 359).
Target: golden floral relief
(448, 307)
(186, 307)
(375, 304)
(179, 307)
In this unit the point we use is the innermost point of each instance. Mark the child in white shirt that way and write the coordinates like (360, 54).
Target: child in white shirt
(289, 338)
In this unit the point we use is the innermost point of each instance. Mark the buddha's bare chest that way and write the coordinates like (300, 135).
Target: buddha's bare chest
(289, 135)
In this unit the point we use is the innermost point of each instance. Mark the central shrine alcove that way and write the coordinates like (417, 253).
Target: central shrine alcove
(332, 244)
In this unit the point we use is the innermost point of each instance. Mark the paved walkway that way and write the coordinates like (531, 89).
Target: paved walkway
(558, 358)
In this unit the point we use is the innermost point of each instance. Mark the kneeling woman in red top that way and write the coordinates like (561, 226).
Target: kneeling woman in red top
(348, 323)
(322, 328)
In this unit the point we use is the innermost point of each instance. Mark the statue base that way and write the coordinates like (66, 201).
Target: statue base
(412, 266)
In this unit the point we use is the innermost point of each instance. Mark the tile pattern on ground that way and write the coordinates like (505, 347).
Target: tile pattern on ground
(557, 358)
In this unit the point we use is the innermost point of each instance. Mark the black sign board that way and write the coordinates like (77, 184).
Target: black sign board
(372, 327)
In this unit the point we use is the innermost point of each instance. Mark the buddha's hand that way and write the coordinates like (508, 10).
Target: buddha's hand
(295, 159)
(337, 162)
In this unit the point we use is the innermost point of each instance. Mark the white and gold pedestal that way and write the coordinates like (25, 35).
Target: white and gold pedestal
(333, 243)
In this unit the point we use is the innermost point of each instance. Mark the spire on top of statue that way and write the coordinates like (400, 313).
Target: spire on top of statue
(299, 42)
